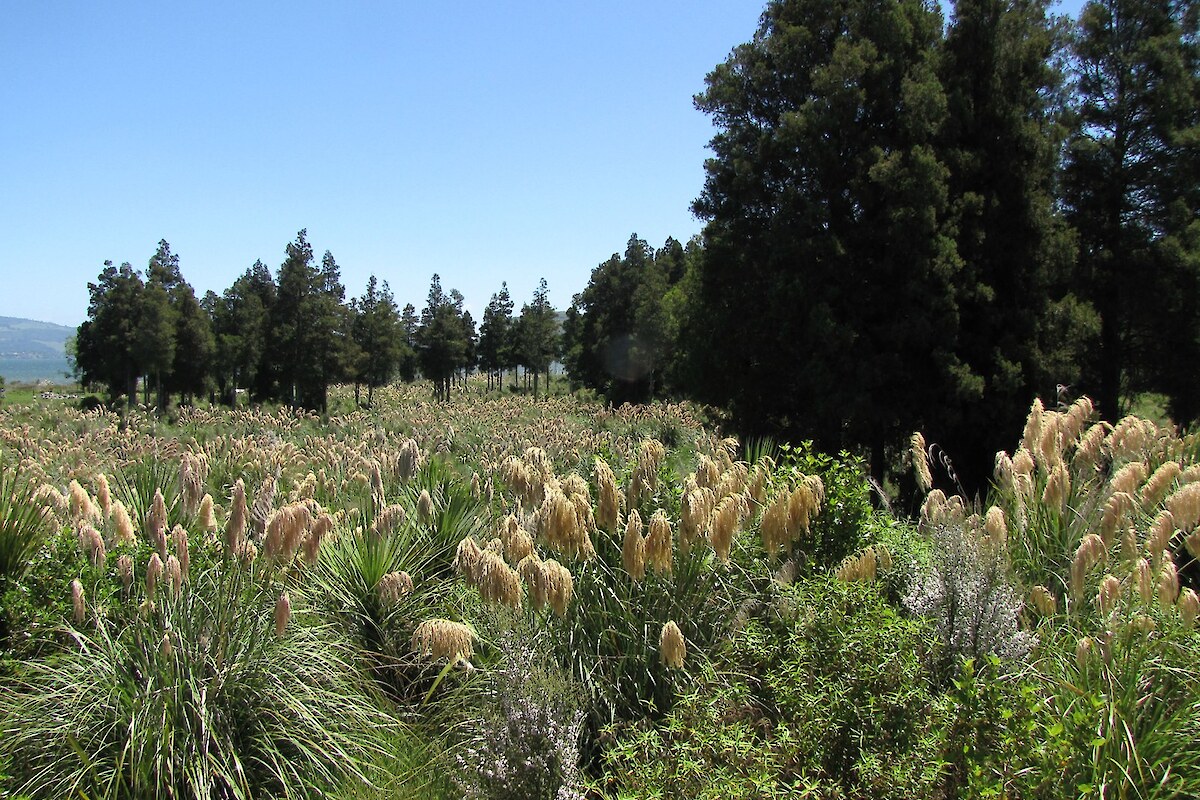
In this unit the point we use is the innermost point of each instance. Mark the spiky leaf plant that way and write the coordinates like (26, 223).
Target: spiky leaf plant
(22, 526)
(202, 695)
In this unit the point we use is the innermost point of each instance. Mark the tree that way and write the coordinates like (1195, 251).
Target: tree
(1132, 187)
(827, 295)
(442, 345)
(240, 319)
(154, 341)
(311, 326)
(620, 335)
(1022, 329)
(495, 336)
(106, 346)
(539, 335)
(379, 337)
(410, 324)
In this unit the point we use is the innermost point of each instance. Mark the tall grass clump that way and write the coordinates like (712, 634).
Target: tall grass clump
(23, 526)
(1096, 528)
(215, 688)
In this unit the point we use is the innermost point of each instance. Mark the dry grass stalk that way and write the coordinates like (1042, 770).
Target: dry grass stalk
(1168, 581)
(633, 547)
(103, 495)
(1160, 533)
(179, 540)
(408, 460)
(286, 530)
(920, 461)
(1108, 594)
(1043, 601)
(695, 509)
(1058, 488)
(1143, 577)
(80, 504)
(466, 560)
(1184, 506)
(497, 581)
(659, 543)
(1159, 484)
(1031, 438)
(442, 639)
(1189, 607)
(78, 605)
(235, 526)
(726, 520)
(283, 613)
(260, 512)
(393, 587)
(156, 523)
(154, 572)
(388, 521)
(193, 471)
(861, 566)
(608, 508)
(206, 517)
(125, 571)
(92, 544)
(122, 524)
(1130, 439)
(1091, 551)
(1116, 508)
(517, 542)
(322, 526)
(174, 572)
(533, 573)
(425, 507)
(1128, 478)
(671, 646)
(1091, 447)
(559, 586)
(708, 474)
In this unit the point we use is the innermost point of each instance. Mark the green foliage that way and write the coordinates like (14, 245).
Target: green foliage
(839, 529)
(195, 696)
(821, 692)
(22, 528)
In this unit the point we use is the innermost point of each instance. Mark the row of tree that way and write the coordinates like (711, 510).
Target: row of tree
(921, 225)
(287, 337)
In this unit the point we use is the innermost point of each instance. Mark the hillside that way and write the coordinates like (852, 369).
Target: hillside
(26, 338)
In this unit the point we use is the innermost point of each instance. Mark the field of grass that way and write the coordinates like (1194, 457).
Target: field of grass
(508, 597)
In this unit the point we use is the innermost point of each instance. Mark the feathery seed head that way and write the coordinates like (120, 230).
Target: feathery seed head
(1058, 487)
(125, 571)
(92, 544)
(659, 543)
(1043, 601)
(1143, 576)
(1184, 506)
(156, 523)
(671, 646)
(122, 524)
(442, 639)
(466, 560)
(1189, 607)
(425, 506)
(920, 461)
(103, 495)
(1108, 594)
(1160, 483)
(174, 573)
(559, 586)
(1168, 581)
(78, 606)
(154, 571)
(394, 586)
(206, 518)
(235, 526)
(608, 509)
(633, 547)
(283, 613)
(1032, 436)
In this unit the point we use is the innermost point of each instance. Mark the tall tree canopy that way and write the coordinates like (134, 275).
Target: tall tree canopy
(827, 295)
(1133, 189)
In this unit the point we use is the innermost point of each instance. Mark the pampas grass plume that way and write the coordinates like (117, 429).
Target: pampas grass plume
(671, 646)
(78, 606)
(283, 613)
(443, 639)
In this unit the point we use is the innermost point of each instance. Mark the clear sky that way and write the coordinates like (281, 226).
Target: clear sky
(484, 141)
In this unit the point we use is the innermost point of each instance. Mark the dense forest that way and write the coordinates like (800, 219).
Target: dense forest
(912, 222)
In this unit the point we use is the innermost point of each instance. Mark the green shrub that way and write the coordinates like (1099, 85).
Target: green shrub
(200, 695)
(823, 688)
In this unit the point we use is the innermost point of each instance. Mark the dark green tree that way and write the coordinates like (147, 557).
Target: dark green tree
(1132, 186)
(310, 326)
(442, 344)
(106, 344)
(539, 335)
(240, 319)
(154, 341)
(495, 336)
(1022, 329)
(827, 303)
(378, 336)
(410, 324)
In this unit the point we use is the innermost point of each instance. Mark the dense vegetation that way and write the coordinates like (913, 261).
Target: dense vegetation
(503, 597)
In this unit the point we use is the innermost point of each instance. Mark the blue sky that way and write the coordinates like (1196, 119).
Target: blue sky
(481, 141)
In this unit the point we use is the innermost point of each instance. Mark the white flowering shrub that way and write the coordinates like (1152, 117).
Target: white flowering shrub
(966, 592)
(524, 740)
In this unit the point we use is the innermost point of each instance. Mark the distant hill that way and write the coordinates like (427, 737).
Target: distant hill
(31, 350)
